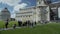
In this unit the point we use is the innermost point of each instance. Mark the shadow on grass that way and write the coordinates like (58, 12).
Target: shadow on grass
(0, 32)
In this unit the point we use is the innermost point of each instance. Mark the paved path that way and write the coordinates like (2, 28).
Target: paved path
(1, 29)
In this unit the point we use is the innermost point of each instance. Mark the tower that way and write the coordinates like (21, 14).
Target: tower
(43, 11)
(38, 2)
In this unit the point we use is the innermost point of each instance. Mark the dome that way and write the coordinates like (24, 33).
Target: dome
(5, 10)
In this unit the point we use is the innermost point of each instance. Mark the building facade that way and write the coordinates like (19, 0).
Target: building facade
(26, 14)
(43, 11)
(5, 14)
(37, 13)
(54, 11)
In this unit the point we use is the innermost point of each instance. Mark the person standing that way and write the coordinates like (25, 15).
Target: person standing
(14, 26)
(6, 24)
(19, 23)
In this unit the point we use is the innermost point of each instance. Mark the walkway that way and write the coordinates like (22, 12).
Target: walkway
(1, 29)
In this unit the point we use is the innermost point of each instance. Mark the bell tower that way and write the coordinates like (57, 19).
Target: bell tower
(43, 11)
(38, 2)
(41, 3)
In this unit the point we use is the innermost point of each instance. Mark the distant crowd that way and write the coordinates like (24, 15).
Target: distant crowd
(20, 24)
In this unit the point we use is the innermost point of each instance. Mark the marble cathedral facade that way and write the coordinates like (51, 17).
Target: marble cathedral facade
(42, 11)
(37, 13)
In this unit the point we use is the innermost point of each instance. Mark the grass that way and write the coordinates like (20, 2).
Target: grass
(11, 23)
(53, 28)
(1, 24)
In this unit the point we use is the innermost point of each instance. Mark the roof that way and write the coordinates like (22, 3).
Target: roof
(5, 10)
(42, 3)
(55, 2)
(28, 7)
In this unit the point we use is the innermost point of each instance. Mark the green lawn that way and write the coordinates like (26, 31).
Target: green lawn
(11, 23)
(42, 29)
(2, 24)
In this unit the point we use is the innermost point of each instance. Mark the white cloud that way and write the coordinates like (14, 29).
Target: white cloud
(17, 7)
(10, 2)
(12, 15)
(15, 4)
(23, 5)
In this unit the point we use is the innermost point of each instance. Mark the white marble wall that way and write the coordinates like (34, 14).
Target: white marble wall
(36, 13)
(27, 14)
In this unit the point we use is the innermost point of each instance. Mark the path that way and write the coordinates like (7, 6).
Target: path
(1, 29)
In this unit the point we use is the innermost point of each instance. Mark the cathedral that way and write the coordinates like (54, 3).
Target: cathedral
(37, 13)
(42, 12)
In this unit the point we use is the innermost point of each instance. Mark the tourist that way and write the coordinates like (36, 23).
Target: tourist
(14, 26)
(6, 24)
(19, 23)
(35, 23)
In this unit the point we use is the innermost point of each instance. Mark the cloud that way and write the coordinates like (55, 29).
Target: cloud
(17, 7)
(13, 16)
(23, 5)
(10, 2)
(15, 4)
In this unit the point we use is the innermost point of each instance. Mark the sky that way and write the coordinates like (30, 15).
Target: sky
(55, 0)
(14, 5)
